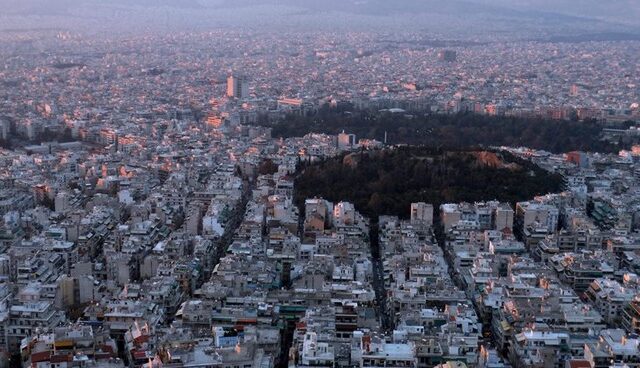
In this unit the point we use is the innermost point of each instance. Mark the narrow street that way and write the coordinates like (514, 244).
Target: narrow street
(378, 277)
(234, 223)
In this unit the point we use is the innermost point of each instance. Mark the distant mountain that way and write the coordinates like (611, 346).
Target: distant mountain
(452, 18)
(375, 7)
(610, 9)
(57, 7)
(614, 9)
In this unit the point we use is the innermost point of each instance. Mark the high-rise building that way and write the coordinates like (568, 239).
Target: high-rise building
(237, 87)
(447, 55)
(4, 129)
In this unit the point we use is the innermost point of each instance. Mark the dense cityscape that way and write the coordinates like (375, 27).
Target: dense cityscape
(150, 218)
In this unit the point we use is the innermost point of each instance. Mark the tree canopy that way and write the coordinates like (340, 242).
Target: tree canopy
(452, 131)
(387, 182)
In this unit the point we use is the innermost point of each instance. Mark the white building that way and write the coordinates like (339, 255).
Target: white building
(344, 213)
(346, 141)
(422, 213)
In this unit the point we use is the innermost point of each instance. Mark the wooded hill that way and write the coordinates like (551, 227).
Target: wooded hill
(452, 131)
(386, 182)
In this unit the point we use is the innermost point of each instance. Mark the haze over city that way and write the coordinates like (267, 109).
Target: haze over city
(301, 183)
(455, 18)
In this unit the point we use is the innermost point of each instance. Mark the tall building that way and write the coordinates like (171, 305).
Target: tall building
(447, 55)
(4, 129)
(237, 87)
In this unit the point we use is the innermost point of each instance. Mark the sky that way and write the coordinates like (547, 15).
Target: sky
(449, 18)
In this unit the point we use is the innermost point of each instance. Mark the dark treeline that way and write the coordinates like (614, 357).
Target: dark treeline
(453, 131)
(388, 181)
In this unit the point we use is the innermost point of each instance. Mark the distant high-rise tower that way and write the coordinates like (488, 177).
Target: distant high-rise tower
(574, 90)
(237, 87)
(447, 55)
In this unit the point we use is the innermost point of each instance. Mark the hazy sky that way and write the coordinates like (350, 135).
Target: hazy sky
(463, 18)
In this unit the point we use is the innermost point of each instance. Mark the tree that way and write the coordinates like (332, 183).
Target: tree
(453, 131)
(267, 167)
(387, 182)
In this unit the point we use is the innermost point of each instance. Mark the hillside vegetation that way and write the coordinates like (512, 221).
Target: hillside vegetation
(454, 131)
(387, 182)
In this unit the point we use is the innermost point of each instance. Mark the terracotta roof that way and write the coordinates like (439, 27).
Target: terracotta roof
(61, 358)
(579, 363)
(42, 356)
(106, 348)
